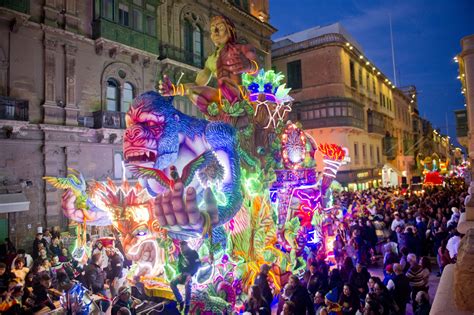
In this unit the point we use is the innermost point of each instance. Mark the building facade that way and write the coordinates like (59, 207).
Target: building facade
(343, 98)
(68, 73)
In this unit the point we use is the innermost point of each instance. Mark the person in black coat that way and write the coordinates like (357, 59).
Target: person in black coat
(39, 239)
(94, 276)
(400, 289)
(358, 280)
(262, 282)
(114, 269)
(300, 297)
(188, 265)
(5, 278)
(41, 295)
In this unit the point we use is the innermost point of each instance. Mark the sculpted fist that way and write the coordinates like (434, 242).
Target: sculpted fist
(177, 211)
(165, 87)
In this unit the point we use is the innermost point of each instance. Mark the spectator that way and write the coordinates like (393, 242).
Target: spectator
(313, 279)
(331, 301)
(41, 295)
(443, 257)
(38, 240)
(20, 271)
(349, 300)
(27, 257)
(358, 280)
(65, 255)
(5, 278)
(385, 299)
(347, 268)
(319, 302)
(55, 248)
(300, 297)
(13, 302)
(416, 277)
(423, 301)
(288, 308)
(453, 245)
(371, 283)
(399, 286)
(124, 300)
(388, 274)
(397, 222)
(335, 281)
(255, 303)
(426, 266)
(114, 270)
(94, 276)
(262, 282)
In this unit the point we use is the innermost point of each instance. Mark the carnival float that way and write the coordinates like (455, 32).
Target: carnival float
(240, 186)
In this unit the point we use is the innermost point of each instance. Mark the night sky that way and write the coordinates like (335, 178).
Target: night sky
(426, 33)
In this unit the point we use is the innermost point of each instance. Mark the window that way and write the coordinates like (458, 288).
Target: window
(108, 9)
(361, 82)
(352, 71)
(138, 2)
(112, 95)
(150, 8)
(364, 151)
(293, 70)
(193, 43)
(137, 22)
(150, 25)
(373, 85)
(371, 152)
(356, 153)
(378, 155)
(127, 98)
(123, 14)
(367, 81)
(381, 99)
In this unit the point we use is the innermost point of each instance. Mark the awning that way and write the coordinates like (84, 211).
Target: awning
(13, 203)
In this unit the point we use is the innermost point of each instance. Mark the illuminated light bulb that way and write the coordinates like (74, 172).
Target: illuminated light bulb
(351, 48)
(378, 72)
(373, 68)
(458, 77)
(463, 75)
(367, 63)
(348, 44)
(386, 80)
(361, 57)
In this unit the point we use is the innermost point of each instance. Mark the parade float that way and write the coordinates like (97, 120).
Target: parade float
(240, 185)
(433, 169)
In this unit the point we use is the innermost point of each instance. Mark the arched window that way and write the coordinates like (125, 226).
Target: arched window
(113, 95)
(127, 97)
(193, 43)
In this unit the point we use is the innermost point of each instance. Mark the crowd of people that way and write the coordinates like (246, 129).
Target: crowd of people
(402, 230)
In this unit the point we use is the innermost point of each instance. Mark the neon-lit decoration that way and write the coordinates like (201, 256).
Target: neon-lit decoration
(333, 159)
(293, 146)
(269, 97)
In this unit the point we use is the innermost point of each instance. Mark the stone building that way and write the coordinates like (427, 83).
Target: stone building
(455, 290)
(341, 97)
(68, 73)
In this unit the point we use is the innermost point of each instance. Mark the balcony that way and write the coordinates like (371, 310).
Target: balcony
(331, 112)
(109, 119)
(124, 35)
(390, 147)
(13, 109)
(462, 127)
(181, 55)
(22, 6)
(408, 147)
(375, 122)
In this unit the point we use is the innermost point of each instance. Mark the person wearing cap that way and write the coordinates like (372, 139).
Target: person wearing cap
(397, 221)
(332, 306)
(262, 282)
(188, 265)
(388, 274)
(124, 300)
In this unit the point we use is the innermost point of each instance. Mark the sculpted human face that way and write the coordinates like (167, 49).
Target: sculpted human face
(220, 34)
